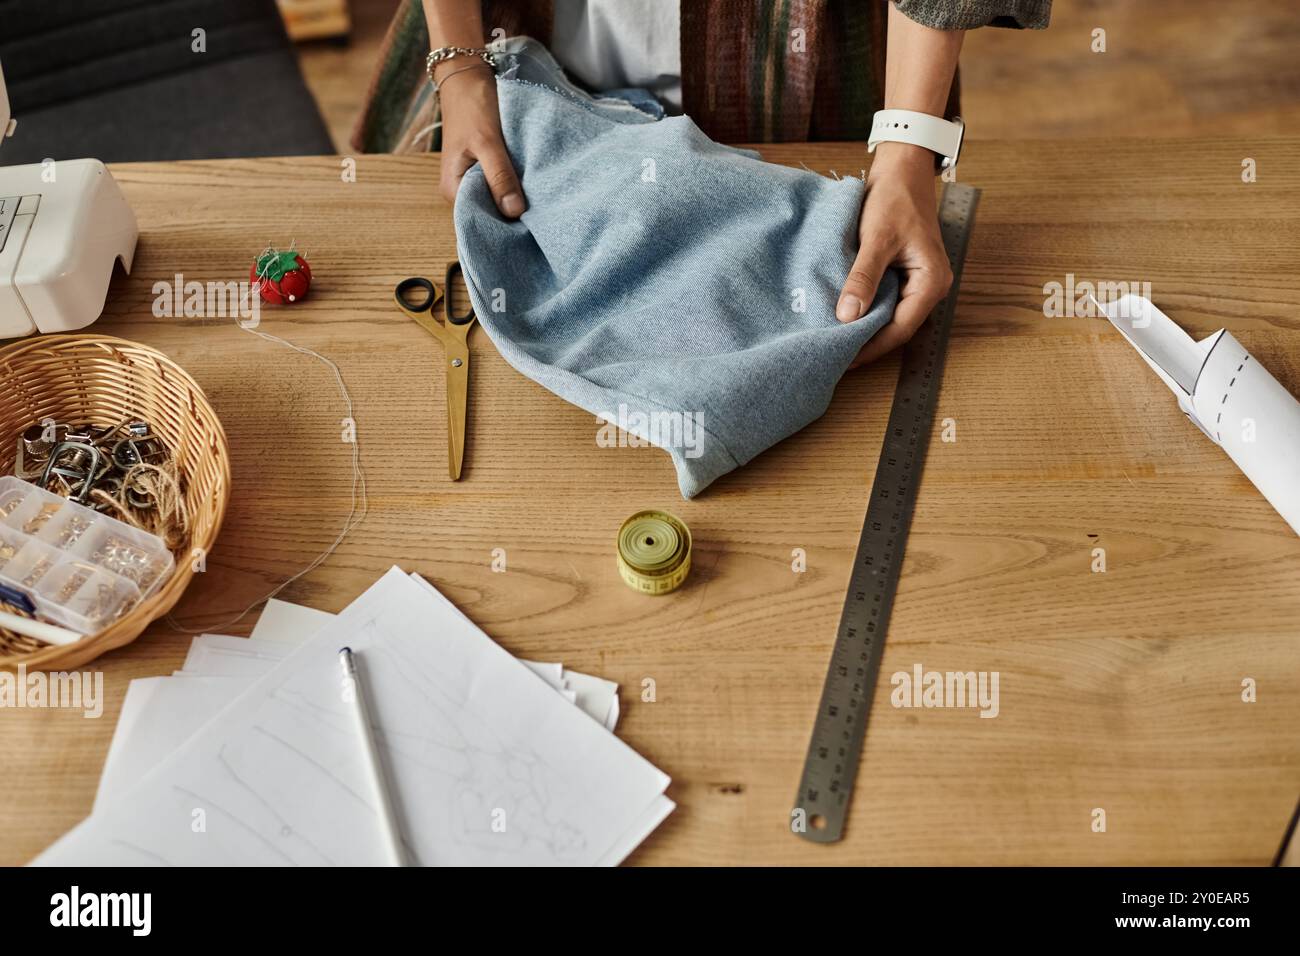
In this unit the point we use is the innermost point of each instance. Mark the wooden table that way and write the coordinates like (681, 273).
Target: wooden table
(1119, 690)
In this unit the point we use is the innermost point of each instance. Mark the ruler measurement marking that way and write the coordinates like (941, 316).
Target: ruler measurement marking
(854, 669)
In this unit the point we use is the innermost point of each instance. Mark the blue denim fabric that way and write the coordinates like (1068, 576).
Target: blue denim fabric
(662, 272)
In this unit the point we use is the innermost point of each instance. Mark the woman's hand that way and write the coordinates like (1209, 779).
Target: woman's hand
(899, 226)
(471, 132)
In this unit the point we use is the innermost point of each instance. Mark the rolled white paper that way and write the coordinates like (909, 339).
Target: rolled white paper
(1226, 393)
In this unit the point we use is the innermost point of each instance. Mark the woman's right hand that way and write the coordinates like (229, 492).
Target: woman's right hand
(471, 132)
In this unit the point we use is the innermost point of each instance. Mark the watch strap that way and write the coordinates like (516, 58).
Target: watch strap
(920, 129)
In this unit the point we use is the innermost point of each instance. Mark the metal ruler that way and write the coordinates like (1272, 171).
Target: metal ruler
(841, 723)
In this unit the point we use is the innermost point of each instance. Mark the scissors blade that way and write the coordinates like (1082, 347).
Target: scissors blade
(457, 400)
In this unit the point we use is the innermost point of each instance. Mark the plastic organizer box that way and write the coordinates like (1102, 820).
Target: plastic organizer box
(81, 569)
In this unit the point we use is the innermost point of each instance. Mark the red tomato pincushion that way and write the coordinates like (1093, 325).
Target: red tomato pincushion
(281, 277)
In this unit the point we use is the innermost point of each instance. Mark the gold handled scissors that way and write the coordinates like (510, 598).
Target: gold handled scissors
(416, 297)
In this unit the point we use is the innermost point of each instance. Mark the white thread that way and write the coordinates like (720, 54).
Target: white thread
(355, 515)
(420, 134)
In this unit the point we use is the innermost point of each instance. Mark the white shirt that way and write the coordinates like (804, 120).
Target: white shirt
(611, 44)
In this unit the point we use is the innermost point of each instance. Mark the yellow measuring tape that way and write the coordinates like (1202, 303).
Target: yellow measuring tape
(654, 552)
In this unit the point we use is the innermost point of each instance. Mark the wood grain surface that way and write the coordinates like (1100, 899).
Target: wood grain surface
(1168, 68)
(1119, 690)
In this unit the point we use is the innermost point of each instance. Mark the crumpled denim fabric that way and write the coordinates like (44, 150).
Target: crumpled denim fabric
(682, 288)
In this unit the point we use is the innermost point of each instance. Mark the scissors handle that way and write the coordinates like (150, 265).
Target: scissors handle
(425, 292)
(465, 318)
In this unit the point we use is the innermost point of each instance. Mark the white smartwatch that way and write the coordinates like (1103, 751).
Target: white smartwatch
(920, 129)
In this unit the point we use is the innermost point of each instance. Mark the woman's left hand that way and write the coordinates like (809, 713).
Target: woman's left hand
(899, 227)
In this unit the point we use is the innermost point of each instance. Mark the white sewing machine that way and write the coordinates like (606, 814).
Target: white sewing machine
(62, 226)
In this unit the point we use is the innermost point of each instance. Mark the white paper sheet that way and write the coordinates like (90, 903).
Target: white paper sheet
(553, 674)
(470, 736)
(291, 623)
(159, 715)
(215, 655)
(595, 695)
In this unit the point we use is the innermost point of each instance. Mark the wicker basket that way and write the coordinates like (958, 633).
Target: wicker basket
(102, 380)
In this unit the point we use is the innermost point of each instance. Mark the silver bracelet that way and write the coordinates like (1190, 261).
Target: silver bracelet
(447, 52)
